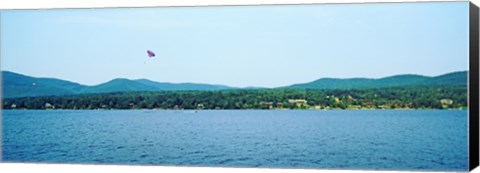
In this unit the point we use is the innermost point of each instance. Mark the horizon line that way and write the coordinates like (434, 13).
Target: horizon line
(339, 78)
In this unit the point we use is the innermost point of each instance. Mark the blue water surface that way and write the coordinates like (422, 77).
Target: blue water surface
(335, 139)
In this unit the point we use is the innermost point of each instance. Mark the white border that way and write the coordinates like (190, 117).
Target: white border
(74, 168)
(48, 4)
(77, 168)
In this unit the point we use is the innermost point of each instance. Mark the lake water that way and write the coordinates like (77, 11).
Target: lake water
(335, 139)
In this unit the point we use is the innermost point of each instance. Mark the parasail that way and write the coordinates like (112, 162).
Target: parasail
(150, 54)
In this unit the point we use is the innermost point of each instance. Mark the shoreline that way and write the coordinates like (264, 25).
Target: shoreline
(370, 109)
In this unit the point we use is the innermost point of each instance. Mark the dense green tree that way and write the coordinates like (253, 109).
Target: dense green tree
(420, 97)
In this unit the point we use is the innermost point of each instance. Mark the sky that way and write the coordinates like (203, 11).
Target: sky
(263, 46)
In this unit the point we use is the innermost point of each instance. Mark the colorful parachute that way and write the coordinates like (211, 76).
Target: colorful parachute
(150, 54)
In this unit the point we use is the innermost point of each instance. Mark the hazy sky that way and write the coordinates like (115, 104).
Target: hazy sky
(241, 46)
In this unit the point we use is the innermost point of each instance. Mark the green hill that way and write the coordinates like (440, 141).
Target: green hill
(126, 85)
(182, 86)
(458, 78)
(118, 85)
(18, 85)
(455, 78)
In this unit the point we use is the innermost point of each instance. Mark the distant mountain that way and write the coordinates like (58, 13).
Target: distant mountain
(455, 78)
(126, 85)
(182, 86)
(18, 85)
(118, 85)
(458, 78)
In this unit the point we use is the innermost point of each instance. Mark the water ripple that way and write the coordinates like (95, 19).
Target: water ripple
(398, 140)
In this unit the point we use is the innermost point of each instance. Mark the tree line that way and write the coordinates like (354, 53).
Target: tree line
(415, 97)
